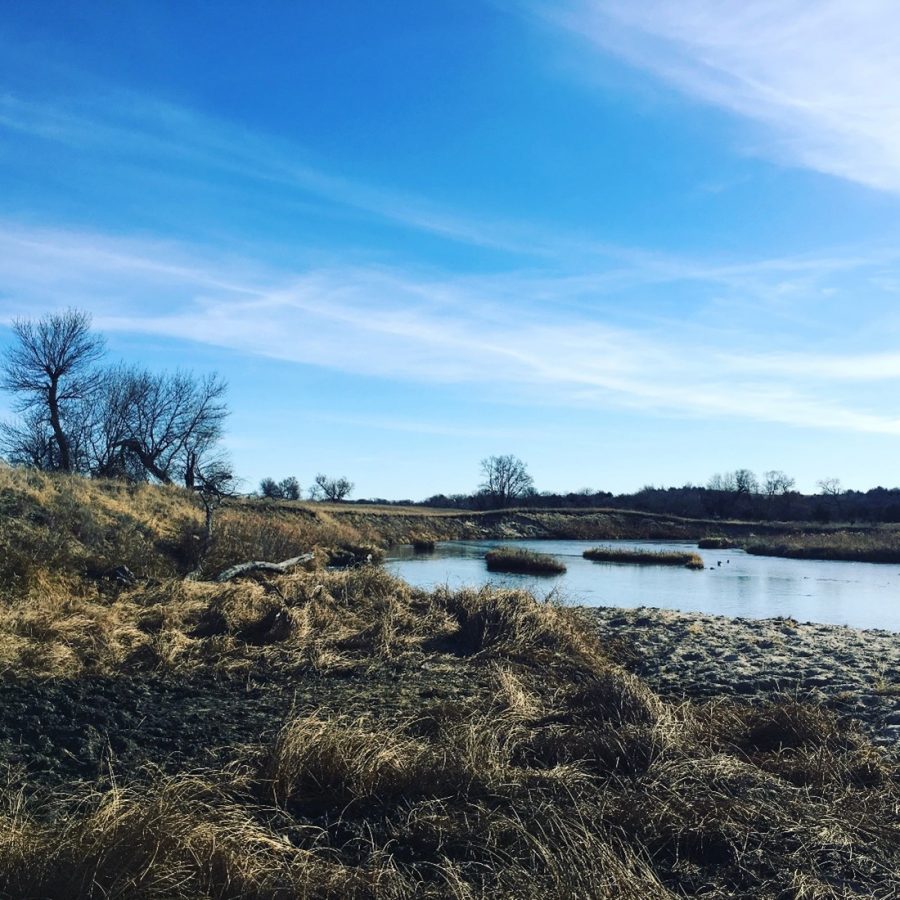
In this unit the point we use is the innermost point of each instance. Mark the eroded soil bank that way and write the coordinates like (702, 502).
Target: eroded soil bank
(402, 525)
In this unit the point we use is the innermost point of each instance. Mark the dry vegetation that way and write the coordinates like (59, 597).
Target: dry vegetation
(715, 543)
(878, 545)
(644, 557)
(565, 777)
(527, 562)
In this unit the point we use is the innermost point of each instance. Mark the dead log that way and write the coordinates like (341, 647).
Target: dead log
(247, 568)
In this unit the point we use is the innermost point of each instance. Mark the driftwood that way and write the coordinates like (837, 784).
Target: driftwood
(281, 568)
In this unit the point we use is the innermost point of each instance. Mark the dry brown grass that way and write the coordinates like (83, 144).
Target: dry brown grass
(459, 804)
(319, 619)
(514, 559)
(67, 531)
(877, 545)
(643, 557)
(569, 778)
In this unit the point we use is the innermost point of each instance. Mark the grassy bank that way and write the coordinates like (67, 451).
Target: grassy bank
(879, 545)
(513, 559)
(563, 776)
(454, 743)
(644, 557)
(400, 525)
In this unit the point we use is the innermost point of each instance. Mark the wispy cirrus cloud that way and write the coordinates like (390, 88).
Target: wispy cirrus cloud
(823, 78)
(428, 327)
(150, 134)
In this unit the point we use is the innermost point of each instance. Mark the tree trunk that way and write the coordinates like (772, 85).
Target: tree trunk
(65, 456)
(260, 566)
(147, 461)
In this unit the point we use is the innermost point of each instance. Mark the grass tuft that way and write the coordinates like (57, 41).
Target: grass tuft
(516, 560)
(715, 543)
(644, 557)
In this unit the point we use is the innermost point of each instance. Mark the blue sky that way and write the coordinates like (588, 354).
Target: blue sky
(630, 243)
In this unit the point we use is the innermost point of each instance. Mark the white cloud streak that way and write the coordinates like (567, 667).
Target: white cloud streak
(150, 133)
(822, 78)
(433, 328)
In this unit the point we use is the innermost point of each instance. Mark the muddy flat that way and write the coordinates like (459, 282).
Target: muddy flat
(855, 672)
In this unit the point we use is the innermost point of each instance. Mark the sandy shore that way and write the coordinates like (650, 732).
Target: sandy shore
(698, 656)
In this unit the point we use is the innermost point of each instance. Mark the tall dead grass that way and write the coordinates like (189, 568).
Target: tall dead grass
(569, 778)
(455, 804)
(69, 531)
(324, 619)
(877, 545)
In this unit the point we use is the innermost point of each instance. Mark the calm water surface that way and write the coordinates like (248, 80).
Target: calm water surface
(863, 595)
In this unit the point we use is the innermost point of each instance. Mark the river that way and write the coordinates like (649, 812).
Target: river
(733, 583)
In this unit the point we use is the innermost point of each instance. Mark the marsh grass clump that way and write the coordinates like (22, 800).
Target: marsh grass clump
(542, 790)
(423, 544)
(715, 543)
(188, 836)
(644, 557)
(519, 561)
(501, 622)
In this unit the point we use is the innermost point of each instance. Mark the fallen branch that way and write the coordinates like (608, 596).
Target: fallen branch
(281, 568)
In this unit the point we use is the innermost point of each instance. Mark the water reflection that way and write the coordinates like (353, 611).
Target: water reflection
(864, 595)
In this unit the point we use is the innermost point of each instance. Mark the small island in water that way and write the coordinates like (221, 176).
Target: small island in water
(644, 557)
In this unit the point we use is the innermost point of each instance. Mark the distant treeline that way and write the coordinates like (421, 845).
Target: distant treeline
(876, 505)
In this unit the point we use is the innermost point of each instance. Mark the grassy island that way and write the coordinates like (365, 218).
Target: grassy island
(515, 560)
(644, 557)
(715, 543)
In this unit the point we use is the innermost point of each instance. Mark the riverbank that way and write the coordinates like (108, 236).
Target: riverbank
(392, 525)
(339, 734)
(388, 742)
(398, 525)
(876, 545)
(701, 657)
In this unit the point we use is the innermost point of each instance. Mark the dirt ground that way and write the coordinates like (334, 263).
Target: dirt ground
(56, 732)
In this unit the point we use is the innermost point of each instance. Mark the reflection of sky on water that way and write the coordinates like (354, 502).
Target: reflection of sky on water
(864, 595)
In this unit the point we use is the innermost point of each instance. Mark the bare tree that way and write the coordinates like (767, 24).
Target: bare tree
(51, 371)
(171, 424)
(110, 426)
(506, 479)
(286, 489)
(270, 489)
(745, 482)
(777, 483)
(30, 442)
(830, 487)
(723, 483)
(290, 488)
(739, 482)
(333, 489)
(214, 484)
